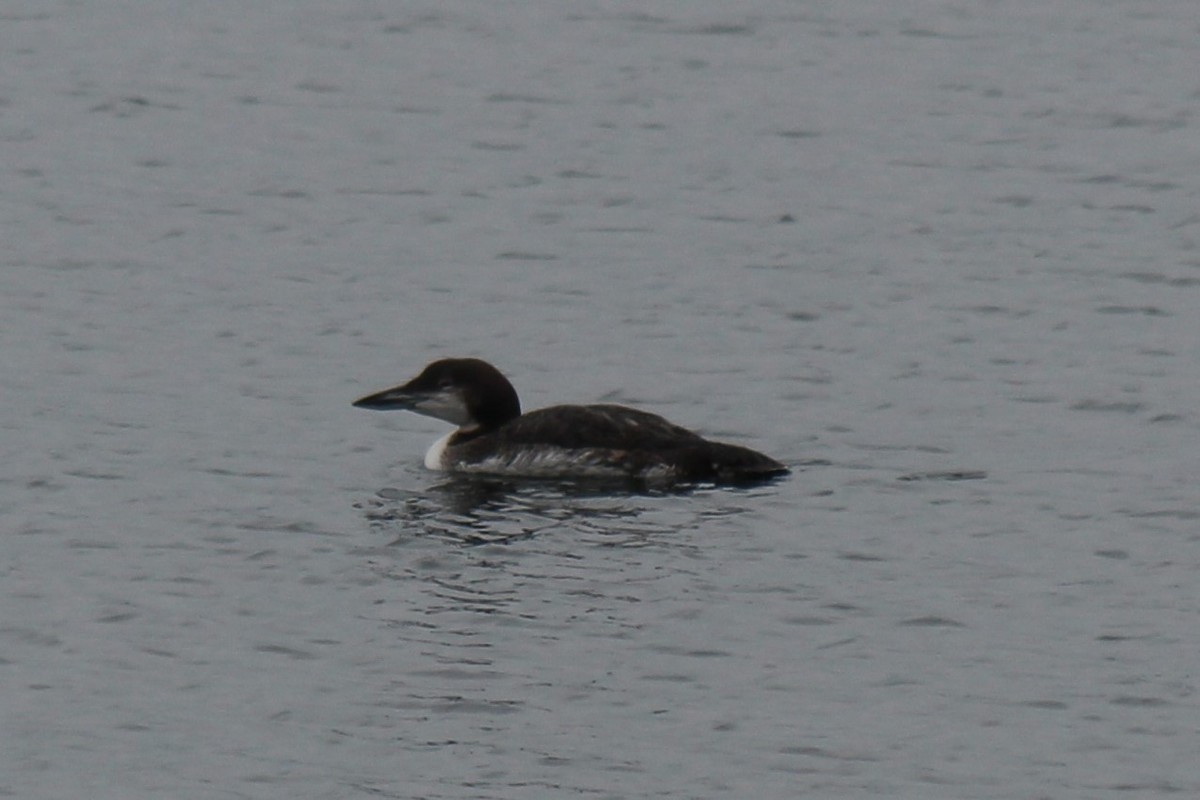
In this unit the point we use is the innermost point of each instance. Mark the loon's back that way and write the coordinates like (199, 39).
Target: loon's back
(596, 426)
(605, 441)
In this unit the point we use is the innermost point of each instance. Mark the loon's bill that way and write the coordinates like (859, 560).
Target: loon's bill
(593, 441)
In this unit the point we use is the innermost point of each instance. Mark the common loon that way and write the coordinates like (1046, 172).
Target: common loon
(594, 441)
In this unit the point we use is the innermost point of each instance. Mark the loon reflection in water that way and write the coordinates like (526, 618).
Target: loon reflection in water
(593, 441)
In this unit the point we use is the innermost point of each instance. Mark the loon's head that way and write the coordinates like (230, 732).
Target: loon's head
(464, 391)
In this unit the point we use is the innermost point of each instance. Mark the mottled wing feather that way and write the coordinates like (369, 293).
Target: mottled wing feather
(597, 426)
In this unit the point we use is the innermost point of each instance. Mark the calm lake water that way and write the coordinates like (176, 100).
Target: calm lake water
(941, 258)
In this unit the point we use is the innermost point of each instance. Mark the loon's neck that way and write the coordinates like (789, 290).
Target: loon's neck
(435, 457)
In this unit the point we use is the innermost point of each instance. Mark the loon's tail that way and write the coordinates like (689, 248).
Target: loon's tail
(727, 463)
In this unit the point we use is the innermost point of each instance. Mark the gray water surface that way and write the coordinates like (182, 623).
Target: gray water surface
(941, 258)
